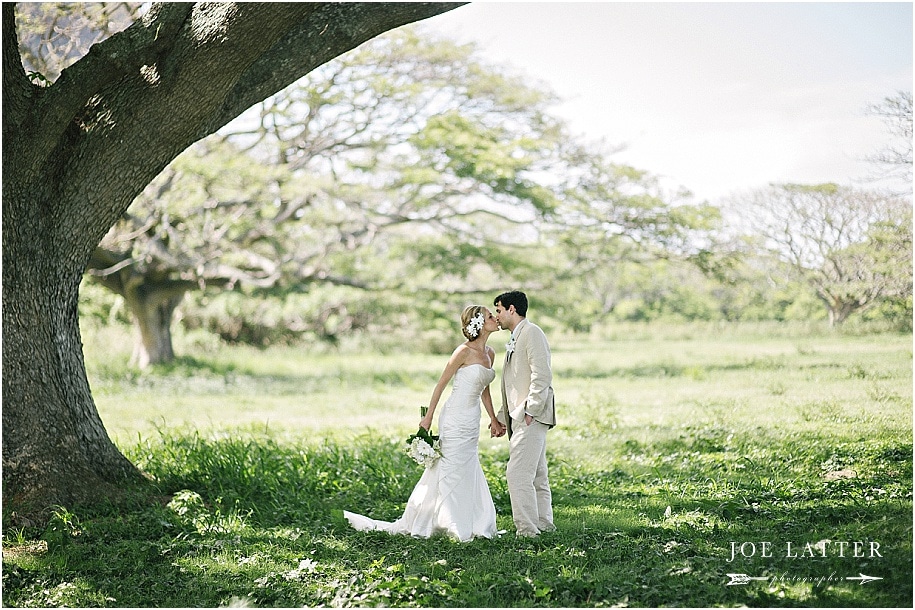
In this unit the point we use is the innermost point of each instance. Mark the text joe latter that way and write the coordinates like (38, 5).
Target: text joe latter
(791, 550)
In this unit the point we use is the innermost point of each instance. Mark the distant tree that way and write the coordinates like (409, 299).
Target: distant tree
(614, 219)
(401, 133)
(78, 150)
(853, 247)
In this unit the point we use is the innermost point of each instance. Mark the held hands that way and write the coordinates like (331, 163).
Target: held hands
(496, 429)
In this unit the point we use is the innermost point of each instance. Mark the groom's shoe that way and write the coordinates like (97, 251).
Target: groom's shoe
(526, 534)
(547, 528)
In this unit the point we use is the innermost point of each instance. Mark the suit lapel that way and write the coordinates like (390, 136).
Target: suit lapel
(517, 335)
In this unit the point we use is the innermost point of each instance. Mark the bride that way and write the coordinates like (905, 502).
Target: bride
(452, 496)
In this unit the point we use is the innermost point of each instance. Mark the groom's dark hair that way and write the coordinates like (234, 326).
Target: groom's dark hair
(513, 297)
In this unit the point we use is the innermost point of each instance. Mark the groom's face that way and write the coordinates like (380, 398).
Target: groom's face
(502, 315)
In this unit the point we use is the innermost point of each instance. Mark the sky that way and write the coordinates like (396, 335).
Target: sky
(719, 98)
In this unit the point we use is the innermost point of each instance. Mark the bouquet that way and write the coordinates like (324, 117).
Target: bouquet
(423, 447)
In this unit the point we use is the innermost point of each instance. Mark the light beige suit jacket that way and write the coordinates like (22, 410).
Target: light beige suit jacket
(527, 378)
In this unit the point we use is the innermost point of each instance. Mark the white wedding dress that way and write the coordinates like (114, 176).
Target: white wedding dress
(452, 496)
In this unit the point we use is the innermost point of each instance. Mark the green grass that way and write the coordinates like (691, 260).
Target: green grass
(673, 444)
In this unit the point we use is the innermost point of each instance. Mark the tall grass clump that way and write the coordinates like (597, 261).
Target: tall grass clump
(275, 483)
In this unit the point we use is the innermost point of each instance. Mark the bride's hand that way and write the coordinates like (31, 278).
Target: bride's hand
(426, 423)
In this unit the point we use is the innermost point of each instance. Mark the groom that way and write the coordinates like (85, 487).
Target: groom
(528, 411)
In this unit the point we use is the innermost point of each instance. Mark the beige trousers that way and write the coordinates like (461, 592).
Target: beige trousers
(528, 478)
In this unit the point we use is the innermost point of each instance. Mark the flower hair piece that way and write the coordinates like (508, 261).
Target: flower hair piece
(475, 325)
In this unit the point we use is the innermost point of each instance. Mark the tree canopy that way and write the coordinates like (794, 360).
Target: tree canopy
(407, 141)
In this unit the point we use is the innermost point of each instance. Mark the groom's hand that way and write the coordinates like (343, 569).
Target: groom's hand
(528, 419)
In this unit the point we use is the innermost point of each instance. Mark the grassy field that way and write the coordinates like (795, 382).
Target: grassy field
(683, 455)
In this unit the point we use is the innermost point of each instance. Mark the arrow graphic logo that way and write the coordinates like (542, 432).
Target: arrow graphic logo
(864, 578)
(742, 579)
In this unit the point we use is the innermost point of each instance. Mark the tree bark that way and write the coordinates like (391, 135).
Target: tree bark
(76, 154)
(55, 447)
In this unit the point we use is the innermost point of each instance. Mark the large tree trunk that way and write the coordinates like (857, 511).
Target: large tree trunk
(55, 447)
(76, 153)
(151, 298)
(840, 308)
(153, 314)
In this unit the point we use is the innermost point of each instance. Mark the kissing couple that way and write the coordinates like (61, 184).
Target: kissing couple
(452, 496)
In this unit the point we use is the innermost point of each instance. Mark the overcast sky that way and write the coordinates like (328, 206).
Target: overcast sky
(715, 97)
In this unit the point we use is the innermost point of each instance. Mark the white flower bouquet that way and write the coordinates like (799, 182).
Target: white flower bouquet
(423, 447)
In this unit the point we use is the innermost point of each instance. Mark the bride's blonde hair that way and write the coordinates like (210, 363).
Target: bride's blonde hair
(470, 312)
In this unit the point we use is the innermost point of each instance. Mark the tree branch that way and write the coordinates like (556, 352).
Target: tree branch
(107, 62)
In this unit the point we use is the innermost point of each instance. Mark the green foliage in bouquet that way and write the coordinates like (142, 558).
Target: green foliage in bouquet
(425, 435)
(423, 446)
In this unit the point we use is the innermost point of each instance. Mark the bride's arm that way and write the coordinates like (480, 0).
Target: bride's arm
(495, 426)
(454, 363)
